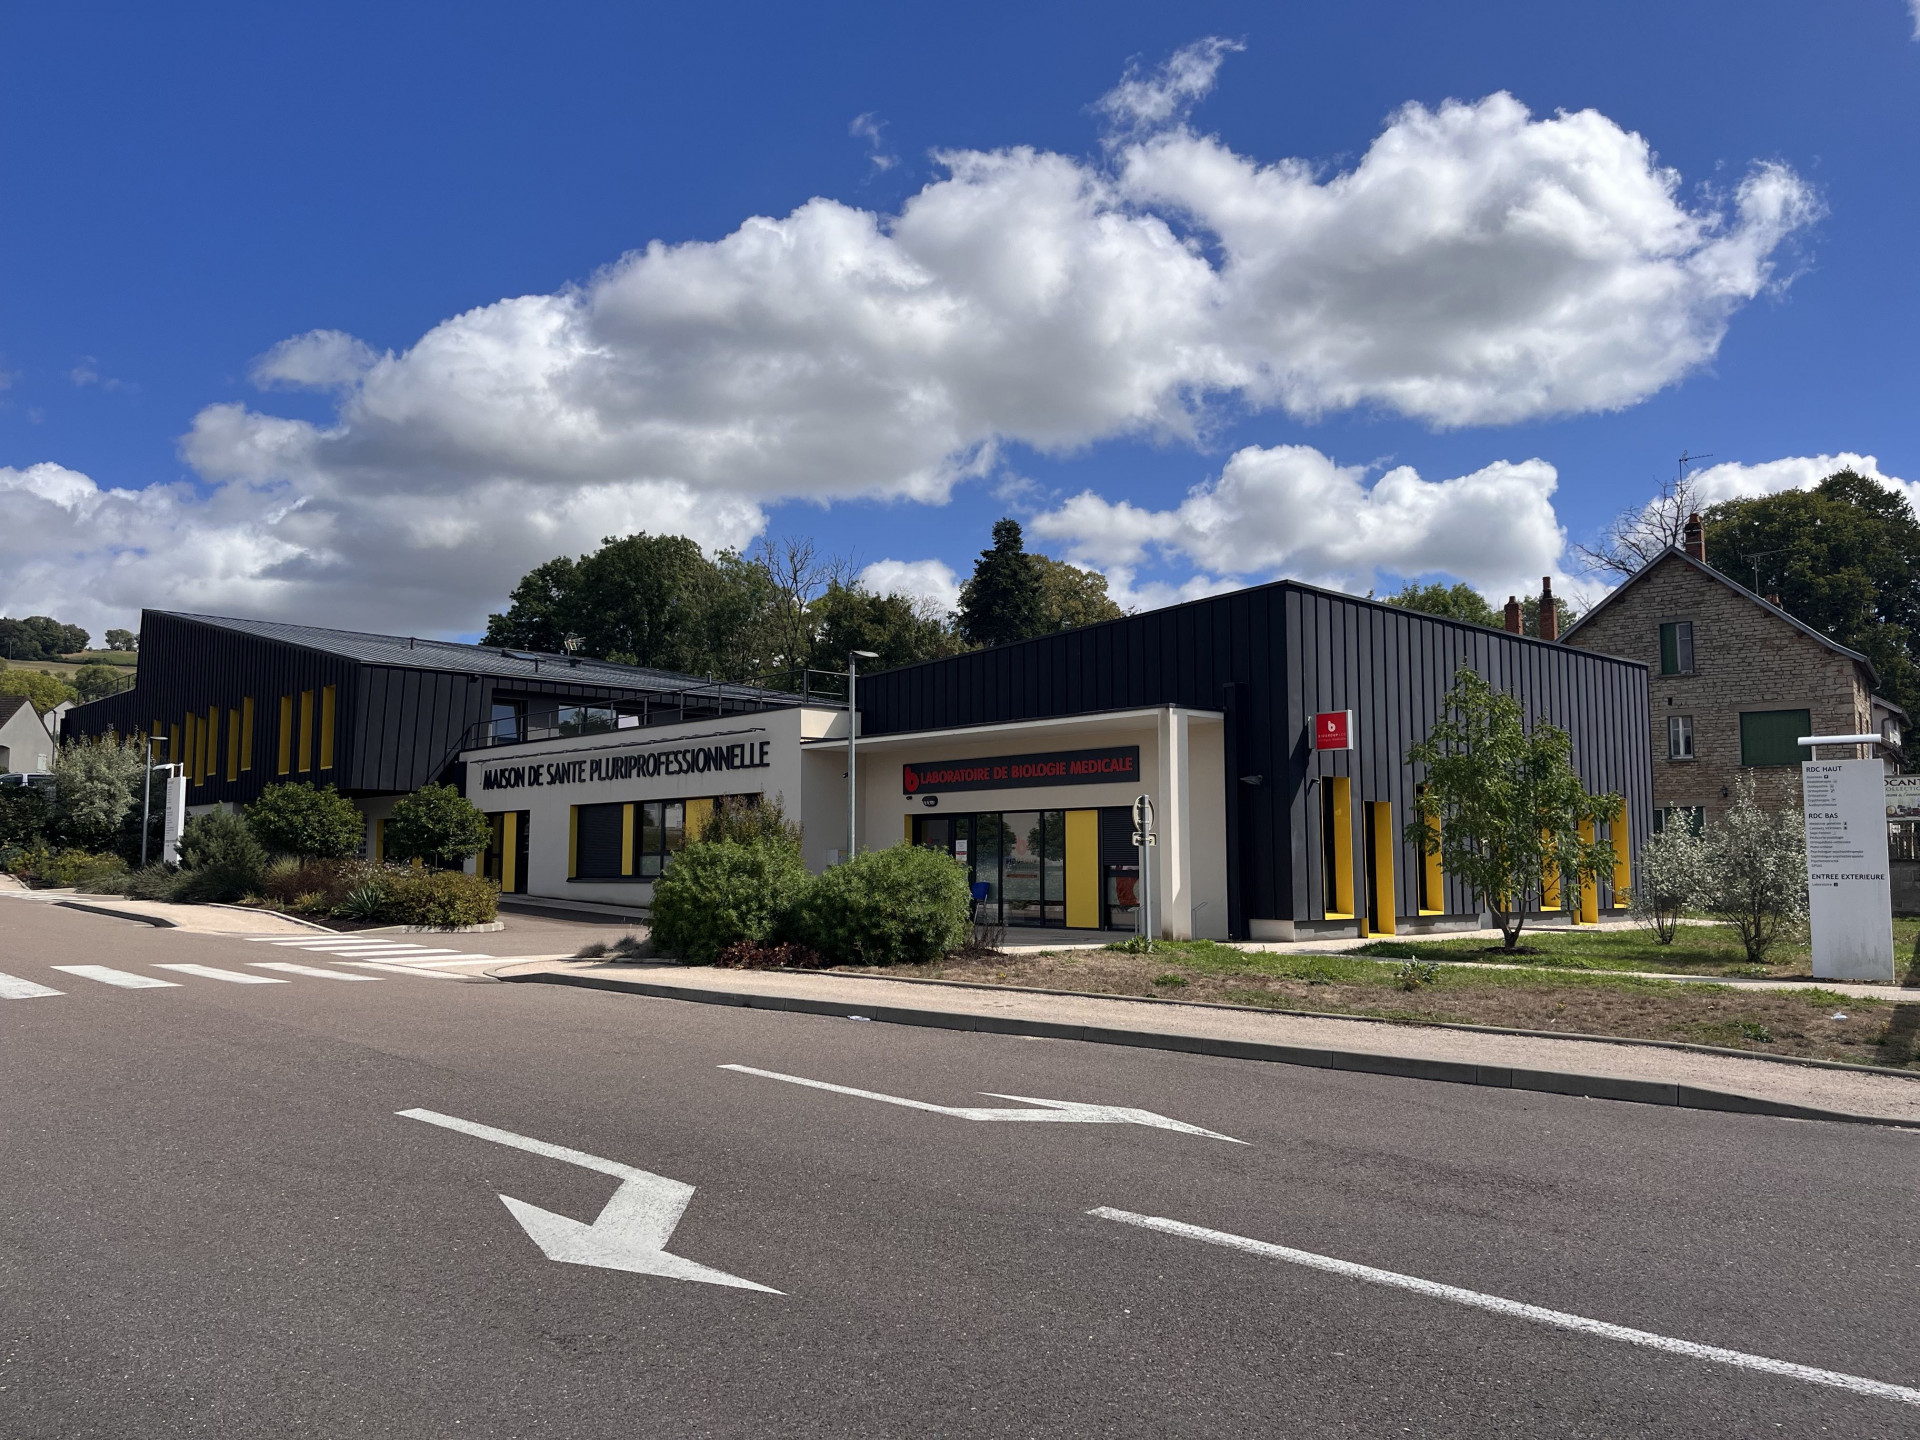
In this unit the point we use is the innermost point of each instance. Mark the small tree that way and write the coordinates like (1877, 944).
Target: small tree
(43, 689)
(749, 820)
(438, 825)
(122, 640)
(1503, 807)
(315, 824)
(95, 783)
(1753, 870)
(221, 859)
(1668, 880)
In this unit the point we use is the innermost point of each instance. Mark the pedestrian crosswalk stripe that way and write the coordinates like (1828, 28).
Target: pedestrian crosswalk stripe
(420, 971)
(108, 976)
(12, 987)
(210, 972)
(292, 969)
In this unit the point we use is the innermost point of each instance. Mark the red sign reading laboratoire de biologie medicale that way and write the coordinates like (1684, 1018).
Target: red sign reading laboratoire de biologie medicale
(1115, 764)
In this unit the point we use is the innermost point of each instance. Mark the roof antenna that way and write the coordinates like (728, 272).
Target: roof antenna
(1686, 460)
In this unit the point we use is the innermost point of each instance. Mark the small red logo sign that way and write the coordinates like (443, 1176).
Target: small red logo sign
(1333, 730)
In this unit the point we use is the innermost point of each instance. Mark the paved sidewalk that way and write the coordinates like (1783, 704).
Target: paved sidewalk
(1642, 1067)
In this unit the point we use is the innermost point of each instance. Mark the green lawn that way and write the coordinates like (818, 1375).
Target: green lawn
(1696, 950)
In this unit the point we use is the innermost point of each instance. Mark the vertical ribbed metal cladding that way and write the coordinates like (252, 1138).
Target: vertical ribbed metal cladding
(1296, 650)
(397, 727)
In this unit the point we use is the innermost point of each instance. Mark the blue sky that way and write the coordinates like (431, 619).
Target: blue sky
(1012, 298)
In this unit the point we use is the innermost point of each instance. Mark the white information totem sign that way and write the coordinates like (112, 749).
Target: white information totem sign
(174, 817)
(1851, 904)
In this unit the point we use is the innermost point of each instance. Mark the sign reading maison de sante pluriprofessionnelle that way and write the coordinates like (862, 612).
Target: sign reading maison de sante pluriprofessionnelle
(646, 764)
(1114, 764)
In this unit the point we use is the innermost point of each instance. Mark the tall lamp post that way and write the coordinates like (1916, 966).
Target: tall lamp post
(854, 657)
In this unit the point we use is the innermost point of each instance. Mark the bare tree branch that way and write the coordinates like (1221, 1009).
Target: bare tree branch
(1639, 535)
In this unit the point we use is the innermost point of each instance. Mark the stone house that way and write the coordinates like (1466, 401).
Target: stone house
(1734, 682)
(26, 747)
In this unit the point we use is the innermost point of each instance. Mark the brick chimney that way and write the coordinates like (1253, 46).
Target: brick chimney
(1513, 615)
(1695, 538)
(1549, 612)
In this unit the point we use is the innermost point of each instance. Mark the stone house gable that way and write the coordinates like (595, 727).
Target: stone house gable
(1748, 658)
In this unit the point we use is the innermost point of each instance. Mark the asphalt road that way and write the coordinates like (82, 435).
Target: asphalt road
(214, 1222)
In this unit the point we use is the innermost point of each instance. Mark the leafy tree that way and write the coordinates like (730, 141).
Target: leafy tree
(1507, 803)
(1071, 597)
(122, 640)
(1753, 870)
(439, 825)
(40, 637)
(96, 682)
(1452, 602)
(43, 689)
(1003, 600)
(313, 823)
(892, 626)
(537, 611)
(96, 784)
(1667, 880)
(1844, 557)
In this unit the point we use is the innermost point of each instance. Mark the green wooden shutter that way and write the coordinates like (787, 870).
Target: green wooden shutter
(1771, 737)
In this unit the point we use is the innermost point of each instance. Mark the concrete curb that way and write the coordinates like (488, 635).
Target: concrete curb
(1598, 1087)
(1804, 1061)
(159, 922)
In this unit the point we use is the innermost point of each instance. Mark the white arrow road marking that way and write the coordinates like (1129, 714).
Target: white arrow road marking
(631, 1233)
(126, 980)
(12, 987)
(290, 968)
(1072, 1112)
(1519, 1310)
(211, 972)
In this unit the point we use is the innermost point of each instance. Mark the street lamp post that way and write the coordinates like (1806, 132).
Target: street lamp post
(854, 657)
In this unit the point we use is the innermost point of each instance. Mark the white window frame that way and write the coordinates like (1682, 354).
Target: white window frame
(1680, 737)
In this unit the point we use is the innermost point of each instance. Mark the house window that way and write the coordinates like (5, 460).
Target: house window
(1772, 737)
(1679, 737)
(1676, 647)
(1693, 817)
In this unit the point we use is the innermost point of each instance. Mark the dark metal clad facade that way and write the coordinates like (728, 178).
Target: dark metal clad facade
(397, 726)
(1269, 658)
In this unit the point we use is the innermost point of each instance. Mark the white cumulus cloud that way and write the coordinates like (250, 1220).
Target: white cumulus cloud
(1477, 265)
(929, 582)
(1290, 510)
(1736, 481)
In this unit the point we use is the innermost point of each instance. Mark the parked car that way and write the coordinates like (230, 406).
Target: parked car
(34, 779)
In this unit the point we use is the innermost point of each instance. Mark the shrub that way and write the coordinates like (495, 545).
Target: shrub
(747, 819)
(219, 858)
(755, 955)
(24, 815)
(67, 869)
(1668, 880)
(1753, 871)
(445, 899)
(900, 906)
(96, 785)
(288, 881)
(313, 823)
(439, 825)
(717, 893)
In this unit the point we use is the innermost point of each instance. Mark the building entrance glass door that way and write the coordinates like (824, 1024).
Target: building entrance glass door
(1019, 862)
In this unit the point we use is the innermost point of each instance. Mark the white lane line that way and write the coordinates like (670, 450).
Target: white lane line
(403, 970)
(108, 976)
(292, 969)
(1580, 1324)
(450, 960)
(12, 987)
(210, 972)
(399, 952)
(312, 940)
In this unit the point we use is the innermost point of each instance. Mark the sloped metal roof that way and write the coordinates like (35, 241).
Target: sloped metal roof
(421, 654)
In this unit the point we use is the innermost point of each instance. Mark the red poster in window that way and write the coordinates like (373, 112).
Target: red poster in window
(1333, 730)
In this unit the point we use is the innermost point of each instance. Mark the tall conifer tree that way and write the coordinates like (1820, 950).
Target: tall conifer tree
(1002, 601)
